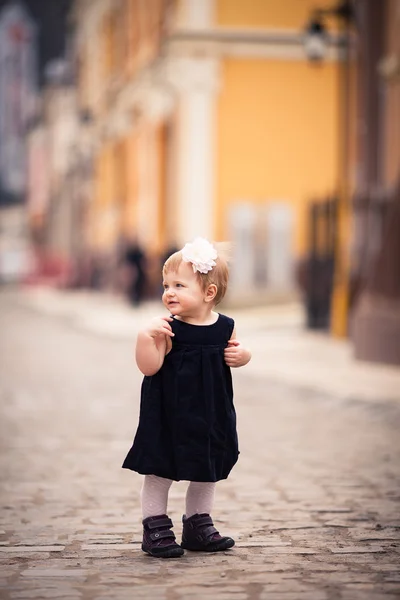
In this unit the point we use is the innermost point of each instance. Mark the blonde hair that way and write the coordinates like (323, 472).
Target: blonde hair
(219, 275)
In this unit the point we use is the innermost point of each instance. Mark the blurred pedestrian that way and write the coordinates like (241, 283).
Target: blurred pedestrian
(164, 257)
(170, 250)
(135, 260)
(187, 424)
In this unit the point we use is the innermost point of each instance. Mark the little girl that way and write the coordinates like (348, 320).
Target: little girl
(187, 424)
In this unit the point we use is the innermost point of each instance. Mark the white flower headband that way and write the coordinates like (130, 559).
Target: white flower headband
(201, 254)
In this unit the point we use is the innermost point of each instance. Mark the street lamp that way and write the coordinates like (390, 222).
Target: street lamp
(316, 40)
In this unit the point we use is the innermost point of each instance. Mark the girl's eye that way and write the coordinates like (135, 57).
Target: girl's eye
(179, 285)
(165, 288)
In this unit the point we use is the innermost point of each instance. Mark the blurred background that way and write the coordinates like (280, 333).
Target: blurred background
(128, 127)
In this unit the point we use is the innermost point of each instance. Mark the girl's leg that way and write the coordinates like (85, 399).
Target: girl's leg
(154, 496)
(199, 498)
(198, 531)
(158, 538)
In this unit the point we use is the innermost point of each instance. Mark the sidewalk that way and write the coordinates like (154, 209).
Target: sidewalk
(283, 350)
(110, 315)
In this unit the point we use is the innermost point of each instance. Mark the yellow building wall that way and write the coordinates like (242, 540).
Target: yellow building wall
(277, 136)
(277, 119)
(108, 208)
(280, 14)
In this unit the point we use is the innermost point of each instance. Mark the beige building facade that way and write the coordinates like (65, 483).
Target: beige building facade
(207, 120)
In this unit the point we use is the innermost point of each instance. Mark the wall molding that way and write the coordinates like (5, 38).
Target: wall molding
(284, 44)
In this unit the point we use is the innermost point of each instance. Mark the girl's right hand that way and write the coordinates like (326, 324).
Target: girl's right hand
(158, 326)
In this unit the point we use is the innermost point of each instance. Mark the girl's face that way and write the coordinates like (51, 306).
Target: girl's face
(183, 294)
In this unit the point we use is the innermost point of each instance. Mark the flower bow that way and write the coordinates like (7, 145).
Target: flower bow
(201, 254)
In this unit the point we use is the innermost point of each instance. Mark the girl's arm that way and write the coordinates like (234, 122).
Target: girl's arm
(235, 354)
(151, 345)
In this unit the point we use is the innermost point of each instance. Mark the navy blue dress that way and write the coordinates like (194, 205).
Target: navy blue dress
(187, 423)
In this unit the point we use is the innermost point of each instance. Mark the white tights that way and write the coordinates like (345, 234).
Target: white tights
(154, 496)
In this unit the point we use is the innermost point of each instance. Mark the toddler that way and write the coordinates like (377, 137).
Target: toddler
(187, 423)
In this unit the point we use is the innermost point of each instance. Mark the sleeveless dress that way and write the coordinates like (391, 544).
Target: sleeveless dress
(187, 422)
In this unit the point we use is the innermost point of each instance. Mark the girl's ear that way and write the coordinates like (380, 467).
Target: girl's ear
(211, 292)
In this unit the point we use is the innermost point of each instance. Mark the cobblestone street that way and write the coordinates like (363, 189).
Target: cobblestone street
(313, 503)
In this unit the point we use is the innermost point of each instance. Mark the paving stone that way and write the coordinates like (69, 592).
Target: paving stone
(261, 544)
(295, 525)
(362, 595)
(14, 556)
(281, 595)
(152, 591)
(394, 578)
(112, 520)
(342, 577)
(289, 550)
(391, 588)
(20, 549)
(365, 536)
(63, 573)
(92, 539)
(41, 593)
(101, 547)
(384, 568)
(357, 549)
(343, 524)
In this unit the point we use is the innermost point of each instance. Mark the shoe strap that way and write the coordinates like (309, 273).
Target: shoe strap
(201, 521)
(207, 532)
(158, 535)
(157, 523)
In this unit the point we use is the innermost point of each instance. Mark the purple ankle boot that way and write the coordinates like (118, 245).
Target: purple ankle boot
(158, 539)
(199, 533)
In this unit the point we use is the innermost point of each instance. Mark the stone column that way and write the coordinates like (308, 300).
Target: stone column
(196, 82)
(195, 78)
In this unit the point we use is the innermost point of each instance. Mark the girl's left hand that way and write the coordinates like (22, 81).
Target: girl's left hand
(236, 355)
